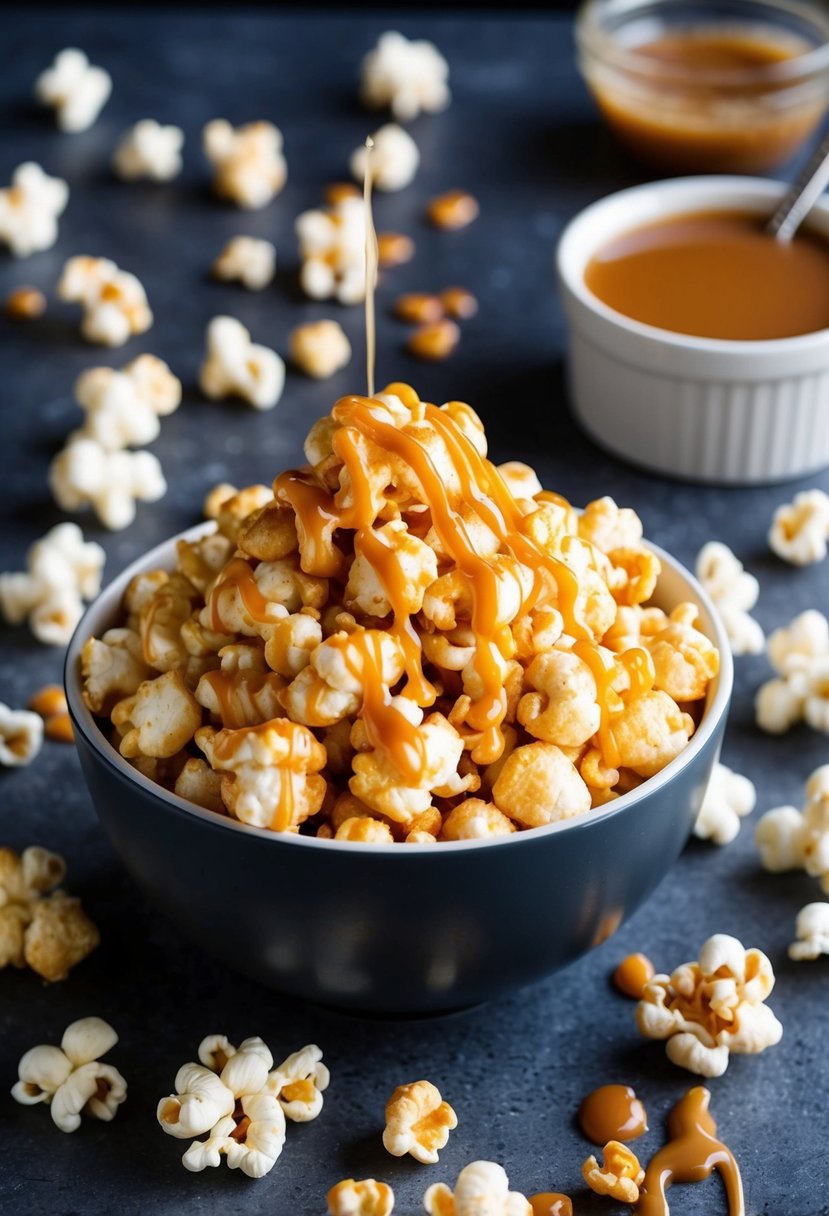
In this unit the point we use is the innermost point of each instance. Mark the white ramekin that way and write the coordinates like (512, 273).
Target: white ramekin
(700, 408)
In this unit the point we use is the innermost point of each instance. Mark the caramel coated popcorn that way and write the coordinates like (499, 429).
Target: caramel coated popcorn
(418, 1122)
(40, 927)
(364, 1198)
(29, 210)
(75, 89)
(481, 1187)
(320, 349)
(71, 1079)
(619, 1176)
(709, 1008)
(400, 642)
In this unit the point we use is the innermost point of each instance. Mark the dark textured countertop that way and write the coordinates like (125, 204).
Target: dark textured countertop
(523, 136)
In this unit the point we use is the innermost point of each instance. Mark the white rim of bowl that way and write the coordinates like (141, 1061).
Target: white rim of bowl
(713, 192)
(111, 597)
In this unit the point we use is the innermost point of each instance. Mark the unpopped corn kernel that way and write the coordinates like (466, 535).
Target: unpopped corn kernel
(453, 210)
(459, 303)
(632, 974)
(25, 304)
(419, 308)
(435, 341)
(394, 249)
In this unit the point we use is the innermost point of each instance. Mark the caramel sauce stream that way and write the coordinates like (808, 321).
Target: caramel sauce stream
(691, 1155)
(371, 270)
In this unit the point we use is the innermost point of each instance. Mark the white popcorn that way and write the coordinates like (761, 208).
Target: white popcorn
(298, 1084)
(800, 655)
(70, 1078)
(21, 737)
(250, 167)
(77, 90)
(482, 1188)
(789, 839)
(728, 798)
(320, 349)
(85, 474)
(247, 260)
(114, 302)
(332, 246)
(734, 592)
(149, 150)
(800, 529)
(62, 569)
(235, 366)
(407, 76)
(200, 1101)
(393, 159)
(29, 210)
(123, 407)
(812, 931)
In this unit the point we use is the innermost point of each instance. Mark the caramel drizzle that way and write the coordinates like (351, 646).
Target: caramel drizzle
(235, 691)
(691, 1155)
(237, 573)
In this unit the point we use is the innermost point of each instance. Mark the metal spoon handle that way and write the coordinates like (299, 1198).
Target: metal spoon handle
(804, 193)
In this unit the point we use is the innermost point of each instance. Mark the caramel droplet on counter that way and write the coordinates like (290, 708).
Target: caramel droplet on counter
(612, 1112)
(452, 210)
(551, 1203)
(632, 974)
(691, 1155)
(394, 249)
(434, 342)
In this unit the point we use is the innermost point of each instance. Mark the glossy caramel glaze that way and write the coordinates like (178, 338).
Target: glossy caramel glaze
(632, 974)
(612, 1112)
(551, 1203)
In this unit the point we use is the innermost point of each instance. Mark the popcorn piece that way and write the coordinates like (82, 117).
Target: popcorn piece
(123, 408)
(50, 935)
(320, 349)
(619, 1176)
(709, 1008)
(59, 936)
(200, 1101)
(70, 1079)
(407, 76)
(728, 798)
(684, 659)
(49, 701)
(650, 731)
(86, 474)
(452, 210)
(149, 150)
(59, 728)
(215, 498)
(418, 1122)
(734, 592)
(61, 569)
(75, 89)
(461, 304)
(246, 260)
(25, 304)
(789, 839)
(270, 772)
(435, 341)
(29, 210)
(475, 819)
(631, 975)
(159, 719)
(393, 162)
(800, 529)
(298, 1084)
(332, 246)
(235, 366)
(563, 709)
(539, 785)
(114, 302)
(21, 736)
(812, 930)
(364, 1198)
(800, 653)
(198, 783)
(481, 1187)
(248, 160)
(112, 668)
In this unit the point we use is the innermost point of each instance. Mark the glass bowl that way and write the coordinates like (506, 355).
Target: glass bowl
(707, 86)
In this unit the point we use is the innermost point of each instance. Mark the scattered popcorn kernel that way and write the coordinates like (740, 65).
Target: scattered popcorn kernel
(21, 736)
(59, 728)
(86, 474)
(246, 260)
(632, 974)
(364, 1198)
(481, 1187)
(237, 367)
(812, 930)
(539, 785)
(800, 654)
(459, 303)
(123, 407)
(393, 249)
(789, 839)
(406, 76)
(453, 210)
(75, 89)
(298, 1084)
(394, 159)
(248, 161)
(734, 592)
(729, 797)
(320, 349)
(159, 718)
(709, 1008)
(25, 303)
(71, 1079)
(62, 569)
(29, 210)
(800, 529)
(149, 150)
(435, 341)
(49, 701)
(419, 308)
(619, 1176)
(332, 247)
(418, 1122)
(114, 302)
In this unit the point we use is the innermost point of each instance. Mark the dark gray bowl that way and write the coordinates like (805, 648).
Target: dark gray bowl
(396, 929)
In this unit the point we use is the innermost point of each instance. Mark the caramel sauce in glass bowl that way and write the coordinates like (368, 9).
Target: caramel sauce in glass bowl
(707, 85)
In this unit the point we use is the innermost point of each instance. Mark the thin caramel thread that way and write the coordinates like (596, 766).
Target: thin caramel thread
(387, 729)
(237, 573)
